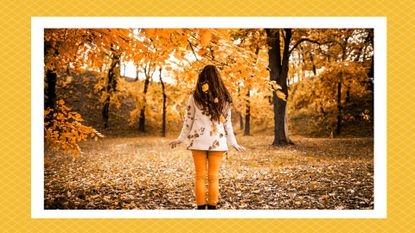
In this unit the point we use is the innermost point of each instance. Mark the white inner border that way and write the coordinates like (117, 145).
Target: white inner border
(37, 73)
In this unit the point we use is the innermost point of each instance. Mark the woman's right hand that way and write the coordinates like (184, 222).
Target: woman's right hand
(239, 148)
(174, 143)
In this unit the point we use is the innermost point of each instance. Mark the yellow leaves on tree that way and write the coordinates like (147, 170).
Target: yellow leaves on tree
(274, 86)
(205, 37)
(281, 95)
(64, 131)
(202, 51)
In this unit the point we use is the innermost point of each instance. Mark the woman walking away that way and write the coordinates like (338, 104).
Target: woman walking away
(208, 126)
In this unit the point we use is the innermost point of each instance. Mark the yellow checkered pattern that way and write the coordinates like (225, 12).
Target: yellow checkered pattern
(15, 112)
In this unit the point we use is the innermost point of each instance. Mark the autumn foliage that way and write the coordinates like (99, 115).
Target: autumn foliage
(132, 85)
(65, 130)
(323, 75)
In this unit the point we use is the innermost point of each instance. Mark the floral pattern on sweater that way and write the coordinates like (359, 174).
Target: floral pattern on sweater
(203, 133)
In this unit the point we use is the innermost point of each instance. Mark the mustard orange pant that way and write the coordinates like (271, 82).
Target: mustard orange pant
(207, 163)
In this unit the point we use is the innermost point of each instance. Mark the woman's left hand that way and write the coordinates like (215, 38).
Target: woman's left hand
(174, 143)
(239, 148)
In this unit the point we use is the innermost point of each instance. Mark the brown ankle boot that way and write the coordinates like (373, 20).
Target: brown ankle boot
(201, 207)
(211, 207)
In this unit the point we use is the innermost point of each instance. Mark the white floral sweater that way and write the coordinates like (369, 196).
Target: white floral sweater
(203, 133)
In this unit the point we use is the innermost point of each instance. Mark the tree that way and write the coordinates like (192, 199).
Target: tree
(278, 66)
(148, 72)
(68, 51)
(255, 64)
(341, 57)
(111, 83)
(163, 127)
(281, 45)
(159, 43)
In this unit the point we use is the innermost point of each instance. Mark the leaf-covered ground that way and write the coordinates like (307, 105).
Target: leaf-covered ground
(145, 173)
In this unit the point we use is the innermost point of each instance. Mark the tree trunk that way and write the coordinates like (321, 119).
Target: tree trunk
(164, 107)
(105, 111)
(314, 65)
(348, 94)
(286, 122)
(278, 72)
(241, 121)
(339, 91)
(50, 93)
(51, 79)
(142, 118)
(302, 61)
(248, 102)
(110, 87)
(248, 116)
(339, 106)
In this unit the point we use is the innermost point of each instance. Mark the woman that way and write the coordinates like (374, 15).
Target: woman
(208, 126)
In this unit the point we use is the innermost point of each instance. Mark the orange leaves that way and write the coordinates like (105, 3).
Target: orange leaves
(205, 37)
(202, 51)
(64, 130)
(205, 87)
(281, 95)
(222, 119)
(158, 33)
(150, 32)
(274, 86)
(165, 32)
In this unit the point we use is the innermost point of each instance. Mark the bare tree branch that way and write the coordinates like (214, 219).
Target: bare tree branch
(191, 46)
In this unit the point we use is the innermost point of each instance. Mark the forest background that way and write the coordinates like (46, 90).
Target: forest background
(303, 104)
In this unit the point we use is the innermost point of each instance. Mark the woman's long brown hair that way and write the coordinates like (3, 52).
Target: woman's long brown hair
(217, 89)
